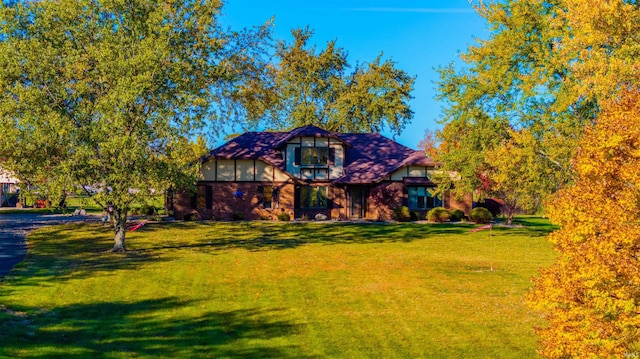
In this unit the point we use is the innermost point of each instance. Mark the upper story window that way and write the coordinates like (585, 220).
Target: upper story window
(315, 156)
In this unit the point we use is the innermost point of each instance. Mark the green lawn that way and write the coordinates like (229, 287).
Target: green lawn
(264, 289)
(86, 203)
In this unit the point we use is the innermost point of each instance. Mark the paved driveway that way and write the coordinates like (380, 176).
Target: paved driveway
(15, 227)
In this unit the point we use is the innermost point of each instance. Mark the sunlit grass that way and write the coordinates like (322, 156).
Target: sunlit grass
(263, 289)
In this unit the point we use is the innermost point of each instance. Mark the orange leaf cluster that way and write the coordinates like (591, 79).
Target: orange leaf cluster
(590, 296)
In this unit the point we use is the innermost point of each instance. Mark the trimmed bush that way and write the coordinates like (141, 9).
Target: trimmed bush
(492, 205)
(192, 217)
(147, 210)
(415, 216)
(457, 215)
(438, 215)
(480, 215)
(237, 216)
(402, 214)
(284, 217)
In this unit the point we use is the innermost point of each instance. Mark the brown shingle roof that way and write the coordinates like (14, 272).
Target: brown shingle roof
(369, 157)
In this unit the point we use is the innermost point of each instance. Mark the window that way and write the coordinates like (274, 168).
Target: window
(267, 197)
(315, 156)
(313, 197)
(421, 198)
(202, 197)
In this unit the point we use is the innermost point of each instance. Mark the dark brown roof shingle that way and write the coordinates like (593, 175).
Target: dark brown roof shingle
(369, 157)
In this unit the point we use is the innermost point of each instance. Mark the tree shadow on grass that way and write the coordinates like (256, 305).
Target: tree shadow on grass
(71, 251)
(144, 329)
(75, 251)
(260, 236)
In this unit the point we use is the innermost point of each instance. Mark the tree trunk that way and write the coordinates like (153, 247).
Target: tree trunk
(120, 228)
(509, 209)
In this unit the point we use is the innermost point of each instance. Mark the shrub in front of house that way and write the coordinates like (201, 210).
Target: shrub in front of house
(147, 210)
(438, 215)
(191, 217)
(402, 214)
(237, 216)
(284, 217)
(320, 217)
(415, 216)
(480, 215)
(457, 215)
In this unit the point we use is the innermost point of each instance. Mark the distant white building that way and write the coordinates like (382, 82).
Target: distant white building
(8, 189)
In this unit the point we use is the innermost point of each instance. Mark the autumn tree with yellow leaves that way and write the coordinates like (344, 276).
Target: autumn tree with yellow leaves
(590, 295)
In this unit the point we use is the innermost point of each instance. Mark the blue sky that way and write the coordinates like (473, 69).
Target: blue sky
(418, 36)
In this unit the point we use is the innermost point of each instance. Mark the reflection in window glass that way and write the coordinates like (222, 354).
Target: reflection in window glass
(421, 198)
(267, 193)
(312, 156)
(313, 197)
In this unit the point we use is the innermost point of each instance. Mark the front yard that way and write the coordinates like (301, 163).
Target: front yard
(264, 289)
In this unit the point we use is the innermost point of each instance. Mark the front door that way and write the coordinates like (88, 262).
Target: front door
(358, 197)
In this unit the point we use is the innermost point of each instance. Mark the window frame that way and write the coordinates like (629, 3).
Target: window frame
(414, 200)
(267, 197)
(314, 197)
(314, 156)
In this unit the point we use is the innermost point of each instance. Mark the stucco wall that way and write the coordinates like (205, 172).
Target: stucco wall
(240, 170)
(410, 171)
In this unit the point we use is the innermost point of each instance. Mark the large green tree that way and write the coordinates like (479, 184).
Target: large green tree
(304, 85)
(515, 80)
(105, 94)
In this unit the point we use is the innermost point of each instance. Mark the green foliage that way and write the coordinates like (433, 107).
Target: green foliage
(480, 215)
(284, 217)
(438, 215)
(402, 214)
(105, 96)
(512, 117)
(457, 214)
(148, 210)
(305, 86)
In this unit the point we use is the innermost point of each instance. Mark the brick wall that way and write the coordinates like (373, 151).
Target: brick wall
(218, 201)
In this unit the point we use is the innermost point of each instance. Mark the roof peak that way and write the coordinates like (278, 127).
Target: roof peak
(308, 131)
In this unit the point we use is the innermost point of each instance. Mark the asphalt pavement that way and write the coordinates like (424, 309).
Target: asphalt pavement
(14, 229)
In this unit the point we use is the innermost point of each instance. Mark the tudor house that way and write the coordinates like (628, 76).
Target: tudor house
(307, 171)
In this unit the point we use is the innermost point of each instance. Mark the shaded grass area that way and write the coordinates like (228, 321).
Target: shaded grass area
(264, 289)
